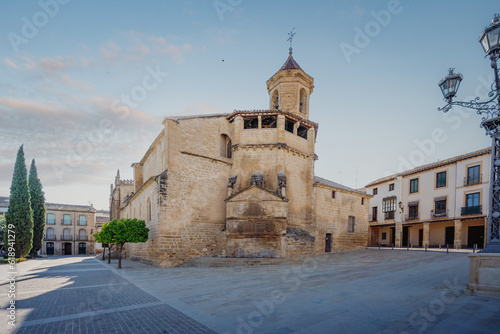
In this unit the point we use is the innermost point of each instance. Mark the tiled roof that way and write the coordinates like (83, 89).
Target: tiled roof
(326, 182)
(290, 64)
(433, 165)
(4, 202)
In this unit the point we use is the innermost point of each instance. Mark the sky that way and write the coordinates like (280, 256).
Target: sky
(84, 85)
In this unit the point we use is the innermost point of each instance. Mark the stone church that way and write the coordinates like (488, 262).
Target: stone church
(241, 185)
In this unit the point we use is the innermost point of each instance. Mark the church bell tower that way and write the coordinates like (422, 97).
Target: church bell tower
(289, 88)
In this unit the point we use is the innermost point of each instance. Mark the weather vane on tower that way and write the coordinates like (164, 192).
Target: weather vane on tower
(290, 38)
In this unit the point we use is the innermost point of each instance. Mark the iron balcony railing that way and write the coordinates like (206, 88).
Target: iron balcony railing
(65, 222)
(67, 238)
(409, 218)
(373, 218)
(80, 238)
(389, 215)
(49, 238)
(472, 210)
(439, 213)
(472, 180)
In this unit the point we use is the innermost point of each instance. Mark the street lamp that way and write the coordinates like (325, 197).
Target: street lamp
(490, 110)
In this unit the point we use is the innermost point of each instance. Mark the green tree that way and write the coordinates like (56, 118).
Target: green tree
(19, 214)
(2, 227)
(38, 206)
(127, 230)
(105, 236)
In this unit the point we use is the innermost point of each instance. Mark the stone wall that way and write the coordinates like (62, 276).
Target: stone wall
(299, 242)
(332, 216)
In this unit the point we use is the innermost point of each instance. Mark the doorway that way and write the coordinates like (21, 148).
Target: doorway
(475, 236)
(420, 237)
(405, 236)
(393, 236)
(50, 248)
(449, 236)
(82, 248)
(67, 248)
(328, 243)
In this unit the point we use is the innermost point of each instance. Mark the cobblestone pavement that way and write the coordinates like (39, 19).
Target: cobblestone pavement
(82, 295)
(372, 291)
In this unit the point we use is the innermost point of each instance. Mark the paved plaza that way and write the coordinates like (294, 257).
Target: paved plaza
(370, 291)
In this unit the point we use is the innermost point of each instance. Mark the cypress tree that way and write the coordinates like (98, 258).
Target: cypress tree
(19, 214)
(38, 206)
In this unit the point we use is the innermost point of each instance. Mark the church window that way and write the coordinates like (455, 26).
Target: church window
(302, 132)
(269, 122)
(333, 193)
(350, 224)
(303, 101)
(149, 210)
(251, 123)
(226, 146)
(289, 125)
(275, 100)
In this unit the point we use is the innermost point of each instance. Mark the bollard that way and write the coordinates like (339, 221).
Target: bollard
(447, 250)
(474, 248)
(407, 247)
(378, 246)
(392, 246)
(426, 248)
(439, 245)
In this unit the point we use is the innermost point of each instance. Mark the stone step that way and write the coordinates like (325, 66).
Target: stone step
(235, 262)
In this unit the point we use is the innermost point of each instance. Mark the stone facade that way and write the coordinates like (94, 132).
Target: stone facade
(240, 185)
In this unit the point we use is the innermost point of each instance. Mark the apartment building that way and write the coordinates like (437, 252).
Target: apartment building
(69, 229)
(438, 204)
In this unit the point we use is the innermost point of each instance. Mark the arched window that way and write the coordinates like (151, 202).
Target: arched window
(82, 234)
(66, 234)
(149, 210)
(226, 146)
(275, 104)
(303, 101)
(50, 233)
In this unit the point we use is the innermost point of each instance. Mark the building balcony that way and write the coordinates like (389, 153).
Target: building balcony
(389, 215)
(80, 238)
(473, 180)
(66, 238)
(65, 222)
(439, 214)
(472, 210)
(49, 238)
(410, 218)
(372, 218)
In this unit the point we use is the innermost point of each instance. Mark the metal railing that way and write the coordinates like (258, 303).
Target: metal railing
(49, 238)
(472, 180)
(67, 238)
(372, 218)
(65, 222)
(409, 218)
(389, 215)
(439, 213)
(472, 210)
(79, 238)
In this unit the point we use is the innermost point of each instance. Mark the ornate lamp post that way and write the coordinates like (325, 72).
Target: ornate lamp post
(490, 110)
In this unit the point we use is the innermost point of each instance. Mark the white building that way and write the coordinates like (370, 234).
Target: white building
(442, 203)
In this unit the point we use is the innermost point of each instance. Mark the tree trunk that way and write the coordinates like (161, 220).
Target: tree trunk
(104, 254)
(120, 257)
(109, 253)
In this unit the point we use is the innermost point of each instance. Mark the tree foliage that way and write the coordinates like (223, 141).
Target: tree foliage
(38, 206)
(19, 214)
(105, 236)
(2, 227)
(122, 231)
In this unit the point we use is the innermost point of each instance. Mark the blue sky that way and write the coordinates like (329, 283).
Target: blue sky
(65, 69)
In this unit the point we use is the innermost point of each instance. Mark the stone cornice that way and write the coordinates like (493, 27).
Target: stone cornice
(209, 158)
(278, 145)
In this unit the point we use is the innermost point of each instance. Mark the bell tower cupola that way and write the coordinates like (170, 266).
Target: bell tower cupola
(290, 88)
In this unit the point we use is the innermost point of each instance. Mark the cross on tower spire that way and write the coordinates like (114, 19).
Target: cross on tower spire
(290, 38)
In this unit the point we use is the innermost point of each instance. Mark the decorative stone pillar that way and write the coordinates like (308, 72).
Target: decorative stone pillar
(426, 234)
(398, 234)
